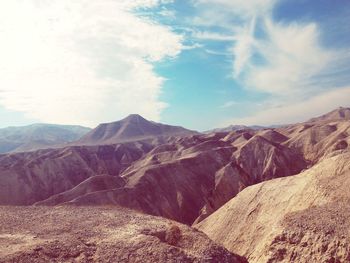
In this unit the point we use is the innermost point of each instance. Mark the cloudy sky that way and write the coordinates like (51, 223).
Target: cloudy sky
(196, 63)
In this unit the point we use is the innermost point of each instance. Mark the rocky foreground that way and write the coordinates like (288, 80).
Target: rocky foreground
(92, 234)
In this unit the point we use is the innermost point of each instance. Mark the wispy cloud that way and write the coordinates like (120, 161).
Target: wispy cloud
(243, 47)
(82, 61)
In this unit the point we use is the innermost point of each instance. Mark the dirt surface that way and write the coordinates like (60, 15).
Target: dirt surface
(96, 234)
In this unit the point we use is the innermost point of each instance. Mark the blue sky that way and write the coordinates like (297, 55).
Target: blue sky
(200, 63)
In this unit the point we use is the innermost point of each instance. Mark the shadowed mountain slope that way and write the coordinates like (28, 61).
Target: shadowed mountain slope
(26, 178)
(302, 218)
(92, 184)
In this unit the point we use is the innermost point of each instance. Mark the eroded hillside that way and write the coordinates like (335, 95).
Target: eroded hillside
(302, 218)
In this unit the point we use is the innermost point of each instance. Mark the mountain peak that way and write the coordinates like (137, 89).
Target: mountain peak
(134, 116)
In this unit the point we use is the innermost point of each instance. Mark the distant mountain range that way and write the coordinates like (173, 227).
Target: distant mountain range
(38, 136)
(43, 136)
(236, 128)
(132, 128)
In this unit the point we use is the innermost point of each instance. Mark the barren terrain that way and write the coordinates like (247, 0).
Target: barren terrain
(100, 234)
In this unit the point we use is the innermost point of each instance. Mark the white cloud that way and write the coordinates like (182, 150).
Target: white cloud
(298, 111)
(243, 47)
(82, 61)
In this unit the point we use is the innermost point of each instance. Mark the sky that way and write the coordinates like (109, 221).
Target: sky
(200, 64)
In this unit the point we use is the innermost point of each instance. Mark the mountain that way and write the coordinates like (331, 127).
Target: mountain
(184, 178)
(96, 234)
(206, 171)
(236, 128)
(38, 136)
(132, 128)
(338, 114)
(188, 178)
(302, 218)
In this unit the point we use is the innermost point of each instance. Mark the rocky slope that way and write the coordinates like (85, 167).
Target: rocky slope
(38, 136)
(132, 128)
(302, 218)
(91, 234)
